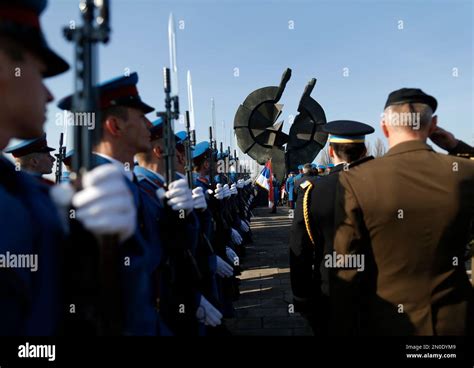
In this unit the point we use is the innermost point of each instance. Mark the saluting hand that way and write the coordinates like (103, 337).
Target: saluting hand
(444, 139)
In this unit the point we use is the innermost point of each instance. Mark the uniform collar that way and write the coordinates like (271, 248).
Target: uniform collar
(140, 170)
(127, 173)
(361, 161)
(337, 168)
(408, 146)
(340, 167)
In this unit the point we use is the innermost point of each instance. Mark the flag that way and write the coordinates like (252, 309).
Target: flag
(265, 181)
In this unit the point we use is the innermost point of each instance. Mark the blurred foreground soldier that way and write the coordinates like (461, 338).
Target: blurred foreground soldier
(312, 232)
(31, 300)
(34, 157)
(401, 234)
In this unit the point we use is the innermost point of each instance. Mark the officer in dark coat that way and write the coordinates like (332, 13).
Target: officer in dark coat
(311, 239)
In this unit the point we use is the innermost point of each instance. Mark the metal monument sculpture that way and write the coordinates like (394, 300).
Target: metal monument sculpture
(261, 137)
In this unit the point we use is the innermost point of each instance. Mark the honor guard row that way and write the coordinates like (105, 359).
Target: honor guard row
(121, 251)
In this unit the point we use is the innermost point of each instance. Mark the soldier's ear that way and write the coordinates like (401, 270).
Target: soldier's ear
(34, 161)
(158, 151)
(331, 151)
(384, 128)
(112, 126)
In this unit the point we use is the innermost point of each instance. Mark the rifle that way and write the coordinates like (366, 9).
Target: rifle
(190, 132)
(171, 103)
(85, 100)
(211, 158)
(237, 168)
(189, 159)
(221, 179)
(60, 158)
(95, 29)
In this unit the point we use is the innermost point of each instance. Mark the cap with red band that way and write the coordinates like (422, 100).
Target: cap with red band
(19, 21)
(121, 91)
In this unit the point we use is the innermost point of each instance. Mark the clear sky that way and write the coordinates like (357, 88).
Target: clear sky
(256, 37)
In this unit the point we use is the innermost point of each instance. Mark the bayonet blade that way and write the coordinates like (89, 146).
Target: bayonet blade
(173, 56)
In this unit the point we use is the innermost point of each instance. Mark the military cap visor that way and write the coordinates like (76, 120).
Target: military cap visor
(37, 145)
(201, 149)
(156, 131)
(19, 21)
(411, 95)
(347, 131)
(121, 91)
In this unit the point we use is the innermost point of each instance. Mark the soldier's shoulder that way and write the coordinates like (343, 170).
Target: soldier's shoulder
(361, 168)
(310, 179)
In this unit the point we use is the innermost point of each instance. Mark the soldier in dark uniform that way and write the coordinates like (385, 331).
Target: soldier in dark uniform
(34, 157)
(311, 239)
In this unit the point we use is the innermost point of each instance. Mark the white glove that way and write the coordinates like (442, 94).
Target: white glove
(207, 313)
(179, 196)
(210, 191)
(199, 199)
(61, 195)
(244, 226)
(240, 183)
(235, 236)
(223, 268)
(227, 193)
(232, 256)
(219, 192)
(105, 205)
(233, 189)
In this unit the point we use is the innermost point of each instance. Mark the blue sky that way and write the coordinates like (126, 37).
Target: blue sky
(254, 36)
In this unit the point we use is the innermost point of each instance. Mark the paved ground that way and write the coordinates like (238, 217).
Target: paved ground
(264, 308)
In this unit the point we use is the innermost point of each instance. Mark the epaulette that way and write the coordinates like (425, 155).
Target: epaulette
(305, 184)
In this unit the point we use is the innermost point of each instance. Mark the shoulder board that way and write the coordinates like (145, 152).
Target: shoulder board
(305, 184)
